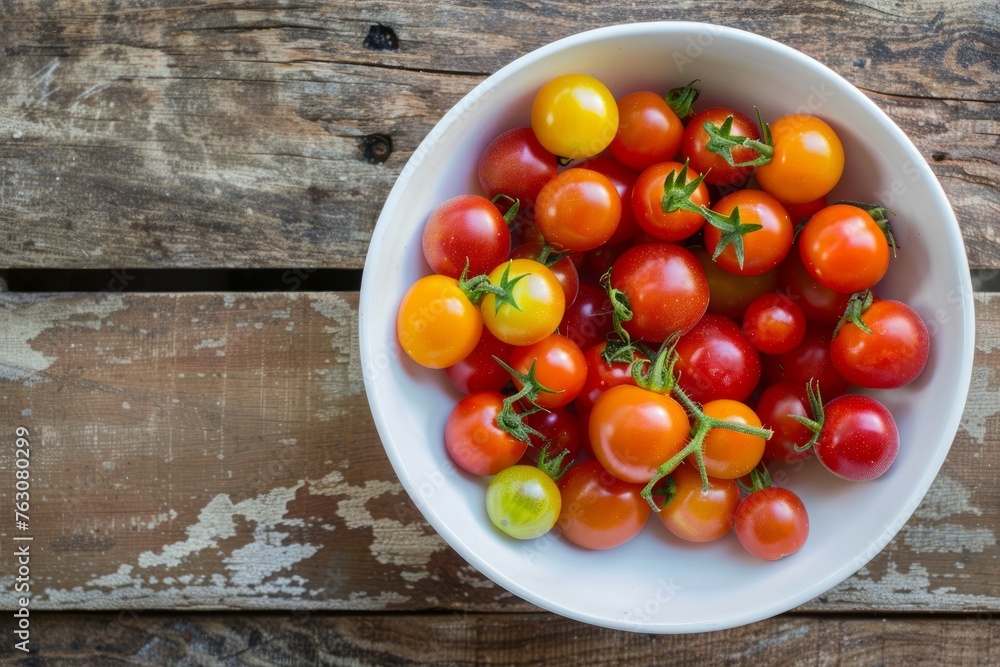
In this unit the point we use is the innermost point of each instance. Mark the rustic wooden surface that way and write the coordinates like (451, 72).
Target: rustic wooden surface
(215, 451)
(142, 111)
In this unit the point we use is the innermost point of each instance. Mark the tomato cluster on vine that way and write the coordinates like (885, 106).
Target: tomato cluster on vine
(648, 304)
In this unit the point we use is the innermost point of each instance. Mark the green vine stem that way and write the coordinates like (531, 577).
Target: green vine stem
(512, 421)
(857, 305)
(513, 206)
(682, 99)
(695, 447)
(819, 416)
(722, 142)
(619, 346)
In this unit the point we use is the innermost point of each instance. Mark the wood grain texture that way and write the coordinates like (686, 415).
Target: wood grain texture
(225, 134)
(215, 451)
(497, 639)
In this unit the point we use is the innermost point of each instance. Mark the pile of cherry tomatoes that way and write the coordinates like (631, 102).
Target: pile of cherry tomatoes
(646, 305)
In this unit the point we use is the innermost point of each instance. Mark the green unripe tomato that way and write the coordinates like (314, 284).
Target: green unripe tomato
(523, 502)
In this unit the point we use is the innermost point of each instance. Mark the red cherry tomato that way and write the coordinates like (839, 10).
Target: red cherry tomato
(700, 516)
(774, 324)
(587, 320)
(560, 430)
(859, 439)
(646, 204)
(844, 249)
(810, 359)
(892, 355)
(694, 146)
(666, 288)
(601, 376)
(473, 439)
(715, 360)
(764, 248)
(479, 371)
(599, 511)
(578, 210)
(564, 270)
(467, 227)
(648, 131)
(775, 408)
(818, 303)
(515, 164)
(623, 179)
(633, 431)
(772, 523)
(559, 366)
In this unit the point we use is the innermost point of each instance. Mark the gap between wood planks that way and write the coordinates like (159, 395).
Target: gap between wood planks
(236, 280)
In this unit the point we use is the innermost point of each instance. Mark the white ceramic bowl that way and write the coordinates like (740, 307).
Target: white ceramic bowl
(655, 583)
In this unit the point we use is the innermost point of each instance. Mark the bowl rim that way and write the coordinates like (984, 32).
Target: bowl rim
(918, 487)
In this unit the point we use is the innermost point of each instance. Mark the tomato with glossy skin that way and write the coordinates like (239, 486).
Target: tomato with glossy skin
(774, 324)
(523, 502)
(700, 516)
(694, 146)
(891, 356)
(764, 248)
(633, 431)
(559, 366)
(728, 454)
(560, 430)
(539, 298)
(648, 131)
(810, 359)
(436, 324)
(588, 319)
(859, 439)
(819, 303)
(574, 116)
(599, 511)
(775, 408)
(465, 228)
(601, 375)
(666, 288)
(578, 210)
(564, 270)
(623, 179)
(474, 441)
(647, 198)
(479, 371)
(844, 249)
(730, 294)
(772, 523)
(517, 165)
(808, 159)
(715, 360)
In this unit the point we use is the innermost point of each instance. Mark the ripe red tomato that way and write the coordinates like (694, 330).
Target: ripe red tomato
(587, 320)
(810, 359)
(599, 511)
(601, 376)
(728, 454)
(763, 248)
(859, 439)
(772, 523)
(700, 516)
(564, 270)
(775, 408)
(819, 303)
(560, 430)
(648, 131)
(731, 294)
(892, 355)
(646, 204)
(666, 288)
(774, 324)
(465, 228)
(715, 360)
(559, 366)
(479, 371)
(623, 179)
(808, 159)
(694, 146)
(578, 210)
(633, 431)
(473, 439)
(844, 249)
(515, 164)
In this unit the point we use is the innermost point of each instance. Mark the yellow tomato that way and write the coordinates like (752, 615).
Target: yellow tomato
(574, 116)
(534, 303)
(437, 325)
(808, 160)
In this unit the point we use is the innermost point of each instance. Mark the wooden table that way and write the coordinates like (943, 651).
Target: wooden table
(207, 483)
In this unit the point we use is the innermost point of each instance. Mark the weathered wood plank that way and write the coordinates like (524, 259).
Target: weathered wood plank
(131, 135)
(496, 639)
(216, 451)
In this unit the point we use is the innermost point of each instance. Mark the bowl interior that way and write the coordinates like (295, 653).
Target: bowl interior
(657, 583)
